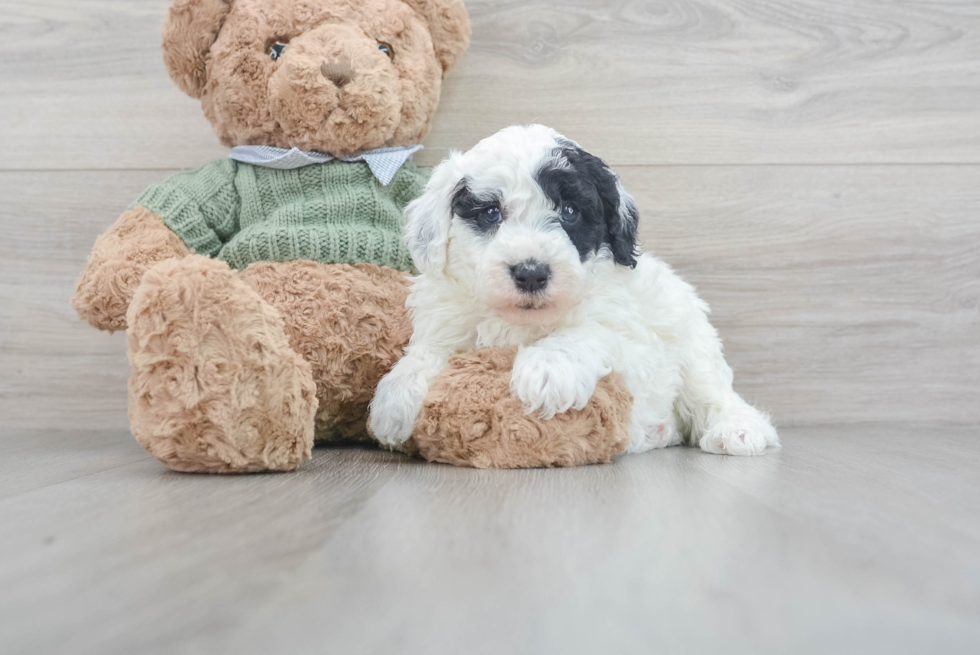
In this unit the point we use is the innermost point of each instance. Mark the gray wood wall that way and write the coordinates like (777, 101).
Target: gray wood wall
(813, 166)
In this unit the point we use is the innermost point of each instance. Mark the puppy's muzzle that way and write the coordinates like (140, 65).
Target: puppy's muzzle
(530, 276)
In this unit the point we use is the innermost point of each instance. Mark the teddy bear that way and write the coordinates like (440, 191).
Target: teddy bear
(263, 295)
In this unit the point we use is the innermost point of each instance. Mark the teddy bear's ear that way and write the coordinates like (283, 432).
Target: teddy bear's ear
(189, 32)
(449, 25)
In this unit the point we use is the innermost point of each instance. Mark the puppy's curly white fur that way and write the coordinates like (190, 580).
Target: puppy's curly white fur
(529, 240)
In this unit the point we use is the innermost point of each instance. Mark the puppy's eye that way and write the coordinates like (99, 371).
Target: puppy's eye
(275, 49)
(489, 215)
(569, 213)
(387, 49)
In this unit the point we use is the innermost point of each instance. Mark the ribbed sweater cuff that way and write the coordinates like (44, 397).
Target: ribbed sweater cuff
(183, 216)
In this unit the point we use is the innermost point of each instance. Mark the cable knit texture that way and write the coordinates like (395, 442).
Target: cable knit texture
(335, 213)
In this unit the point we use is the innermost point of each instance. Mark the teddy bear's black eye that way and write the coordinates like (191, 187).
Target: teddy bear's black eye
(276, 50)
(387, 49)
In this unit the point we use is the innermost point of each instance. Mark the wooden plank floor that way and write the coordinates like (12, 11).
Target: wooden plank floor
(813, 166)
(849, 540)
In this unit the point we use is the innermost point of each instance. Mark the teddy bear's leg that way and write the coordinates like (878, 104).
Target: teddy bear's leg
(214, 385)
(471, 418)
(134, 243)
(349, 322)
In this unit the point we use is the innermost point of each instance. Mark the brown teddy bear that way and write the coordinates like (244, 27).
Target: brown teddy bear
(264, 295)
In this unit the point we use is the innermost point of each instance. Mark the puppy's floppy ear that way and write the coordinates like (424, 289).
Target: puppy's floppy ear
(622, 228)
(189, 32)
(593, 178)
(449, 25)
(427, 218)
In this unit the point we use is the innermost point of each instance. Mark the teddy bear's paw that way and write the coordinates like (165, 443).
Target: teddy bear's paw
(739, 431)
(471, 418)
(214, 385)
(117, 263)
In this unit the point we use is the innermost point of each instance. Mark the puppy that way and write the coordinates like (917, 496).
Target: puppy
(529, 240)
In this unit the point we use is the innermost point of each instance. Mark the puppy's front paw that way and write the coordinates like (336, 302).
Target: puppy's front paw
(550, 381)
(393, 412)
(392, 427)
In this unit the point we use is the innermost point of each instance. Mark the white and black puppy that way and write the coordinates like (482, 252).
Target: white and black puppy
(528, 240)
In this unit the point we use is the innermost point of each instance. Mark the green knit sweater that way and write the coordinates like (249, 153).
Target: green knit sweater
(335, 213)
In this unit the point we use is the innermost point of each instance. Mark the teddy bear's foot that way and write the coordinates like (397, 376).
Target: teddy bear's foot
(214, 384)
(471, 418)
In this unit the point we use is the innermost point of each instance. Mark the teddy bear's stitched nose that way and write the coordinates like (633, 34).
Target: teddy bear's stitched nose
(338, 71)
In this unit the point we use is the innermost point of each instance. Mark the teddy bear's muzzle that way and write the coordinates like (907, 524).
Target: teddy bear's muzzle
(335, 91)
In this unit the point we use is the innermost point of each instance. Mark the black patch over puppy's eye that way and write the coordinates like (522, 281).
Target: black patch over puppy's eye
(481, 211)
(585, 193)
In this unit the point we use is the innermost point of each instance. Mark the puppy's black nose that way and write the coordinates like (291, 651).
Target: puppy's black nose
(530, 276)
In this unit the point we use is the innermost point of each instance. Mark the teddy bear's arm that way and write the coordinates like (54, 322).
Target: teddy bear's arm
(133, 245)
(194, 211)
